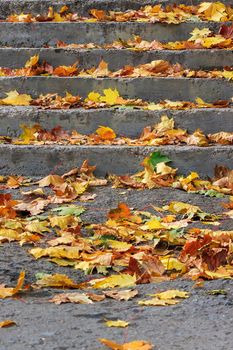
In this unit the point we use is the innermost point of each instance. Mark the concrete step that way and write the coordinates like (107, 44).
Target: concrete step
(151, 89)
(41, 160)
(125, 122)
(87, 58)
(82, 7)
(48, 33)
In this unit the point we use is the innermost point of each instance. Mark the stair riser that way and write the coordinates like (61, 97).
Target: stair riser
(123, 122)
(151, 89)
(82, 7)
(193, 59)
(40, 34)
(41, 160)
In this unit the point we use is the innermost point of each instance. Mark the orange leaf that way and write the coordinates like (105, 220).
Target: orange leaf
(106, 133)
(121, 212)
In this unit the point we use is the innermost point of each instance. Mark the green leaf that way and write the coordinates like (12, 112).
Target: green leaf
(156, 158)
(211, 193)
(69, 210)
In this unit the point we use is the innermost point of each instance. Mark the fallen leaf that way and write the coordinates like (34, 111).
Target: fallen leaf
(118, 323)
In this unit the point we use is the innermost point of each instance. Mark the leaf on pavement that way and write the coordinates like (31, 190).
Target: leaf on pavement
(117, 323)
(134, 345)
(6, 292)
(15, 99)
(7, 323)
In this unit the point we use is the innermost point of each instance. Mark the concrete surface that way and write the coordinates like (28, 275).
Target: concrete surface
(124, 121)
(42, 160)
(45, 33)
(14, 6)
(191, 59)
(150, 89)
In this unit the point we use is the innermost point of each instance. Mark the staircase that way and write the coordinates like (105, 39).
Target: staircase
(20, 41)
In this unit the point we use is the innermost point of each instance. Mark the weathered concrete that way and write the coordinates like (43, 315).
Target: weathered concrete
(82, 7)
(152, 89)
(42, 160)
(127, 122)
(193, 59)
(40, 34)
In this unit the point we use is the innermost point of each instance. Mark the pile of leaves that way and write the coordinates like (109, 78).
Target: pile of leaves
(172, 14)
(163, 133)
(157, 68)
(109, 98)
(158, 174)
(200, 39)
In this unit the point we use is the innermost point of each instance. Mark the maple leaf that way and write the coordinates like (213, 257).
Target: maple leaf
(54, 180)
(199, 34)
(6, 292)
(32, 61)
(106, 133)
(69, 210)
(134, 345)
(121, 212)
(77, 298)
(117, 323)
(56, 281)
(7, 323)
(213, 11)
(121, 280)
(15, 99)
(111, 97)
(121, 294)
(171, 294)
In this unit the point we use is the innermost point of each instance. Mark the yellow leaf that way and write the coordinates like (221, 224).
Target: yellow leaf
(93, 96)
(32, 61)
(62, 221)
(153, 224)
(183, 208)
(56, 281)
(78, 298)
(199, 34)
(29, 133)
(79, 188)
(106, 133)
(15, 99)
(7, 323)
(54, 180)
(37, 226)
(173, 264)
(172, 294)
(134, 345)
(9, 235)
(121, 280)
(110, 96)
(119, 246)
(209, 42)
(61, 251)
(118, 323)
(165, 124)
(9, 292)
(227, 74)
(158, 302)
(213, 11)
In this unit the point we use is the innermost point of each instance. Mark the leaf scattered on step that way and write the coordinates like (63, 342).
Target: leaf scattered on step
(56, 281)
(7, 323)
(134, 345)
(117, 323)
(6, 292)
(126, 294)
